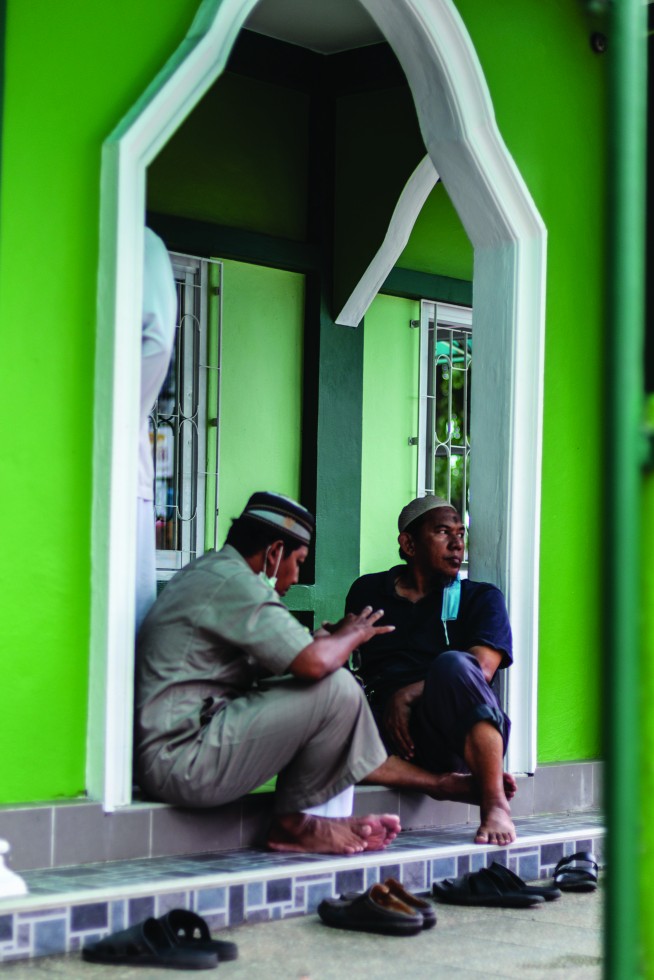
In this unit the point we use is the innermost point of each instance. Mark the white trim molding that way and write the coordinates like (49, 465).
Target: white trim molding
(509, 239)
(418, 187)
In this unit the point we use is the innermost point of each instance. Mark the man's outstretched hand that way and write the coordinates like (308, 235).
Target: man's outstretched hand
(333, 644)
(362, 623)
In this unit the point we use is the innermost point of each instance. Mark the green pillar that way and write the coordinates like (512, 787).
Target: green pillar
(333, 395)
(340, 385)
(646, 851)
(338, 493)
(624, 352)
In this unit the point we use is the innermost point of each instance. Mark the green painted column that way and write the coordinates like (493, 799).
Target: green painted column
(338, 491)
(627, 51)
(334, 405)
(646, 862)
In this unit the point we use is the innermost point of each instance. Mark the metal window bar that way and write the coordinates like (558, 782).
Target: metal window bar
(446, 343)
(183, 418)
(444, 403)
(214, 377)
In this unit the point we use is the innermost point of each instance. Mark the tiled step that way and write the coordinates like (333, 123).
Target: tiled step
(68, 907)
(64, 832)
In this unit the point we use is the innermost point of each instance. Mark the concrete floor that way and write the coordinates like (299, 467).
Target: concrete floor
(558, 939)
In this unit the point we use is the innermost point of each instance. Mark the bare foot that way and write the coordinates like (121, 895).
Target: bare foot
(496, 826)
(301, 832)
(384, 828)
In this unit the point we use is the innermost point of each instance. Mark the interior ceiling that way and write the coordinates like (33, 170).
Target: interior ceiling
(325, 26)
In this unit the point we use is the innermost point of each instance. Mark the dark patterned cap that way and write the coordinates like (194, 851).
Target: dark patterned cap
(281, 513)
(418, 507)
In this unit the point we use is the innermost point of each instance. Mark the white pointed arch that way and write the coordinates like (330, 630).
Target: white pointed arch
(461, 137)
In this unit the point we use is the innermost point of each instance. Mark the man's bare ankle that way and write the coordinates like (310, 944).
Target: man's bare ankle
(494, 801)
(292, 822)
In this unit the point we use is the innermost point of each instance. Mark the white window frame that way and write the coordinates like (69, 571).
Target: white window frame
(192, 279)
(509, 239)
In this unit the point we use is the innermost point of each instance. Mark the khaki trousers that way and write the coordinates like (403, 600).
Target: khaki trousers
(318, 738)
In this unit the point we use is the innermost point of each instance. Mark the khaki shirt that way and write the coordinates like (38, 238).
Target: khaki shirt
(213, 632)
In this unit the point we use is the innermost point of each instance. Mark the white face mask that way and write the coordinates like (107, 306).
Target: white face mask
(272, 580)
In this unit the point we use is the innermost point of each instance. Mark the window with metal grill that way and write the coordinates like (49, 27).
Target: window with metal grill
(184, 423)
(444, 407)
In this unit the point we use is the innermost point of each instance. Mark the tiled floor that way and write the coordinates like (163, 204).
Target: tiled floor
(68, 907)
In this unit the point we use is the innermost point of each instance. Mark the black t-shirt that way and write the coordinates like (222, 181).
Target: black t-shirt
(403, 657)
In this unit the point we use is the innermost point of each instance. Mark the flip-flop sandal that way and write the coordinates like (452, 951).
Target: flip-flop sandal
(480, 888)
(148, 944)
(374, 911)
(419, 905)
(577, 872)
(189, 931)
(506, 879)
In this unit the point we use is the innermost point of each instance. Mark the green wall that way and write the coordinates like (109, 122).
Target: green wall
(438, 242)
(390, 417)
(261, 387)
(72, 71)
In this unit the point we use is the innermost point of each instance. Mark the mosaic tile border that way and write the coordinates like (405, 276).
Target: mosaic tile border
(68, 927)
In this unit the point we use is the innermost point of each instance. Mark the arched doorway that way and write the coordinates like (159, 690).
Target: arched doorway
(509, 239)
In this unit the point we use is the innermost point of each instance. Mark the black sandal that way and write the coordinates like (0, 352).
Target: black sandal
(148, 944)
(483, 888)
(189, 931)
(512, 882)
(577, 872)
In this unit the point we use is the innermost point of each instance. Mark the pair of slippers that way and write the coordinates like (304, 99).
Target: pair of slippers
(386, 908)
(498, 886)
(179, 940)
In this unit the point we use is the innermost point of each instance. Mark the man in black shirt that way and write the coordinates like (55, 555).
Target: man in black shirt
(429, 681)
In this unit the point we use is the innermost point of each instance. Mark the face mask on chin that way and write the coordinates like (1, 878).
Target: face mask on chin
(272, 579)
(451, 601)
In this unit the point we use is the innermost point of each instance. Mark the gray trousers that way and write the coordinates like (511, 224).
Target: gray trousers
(318, 738)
